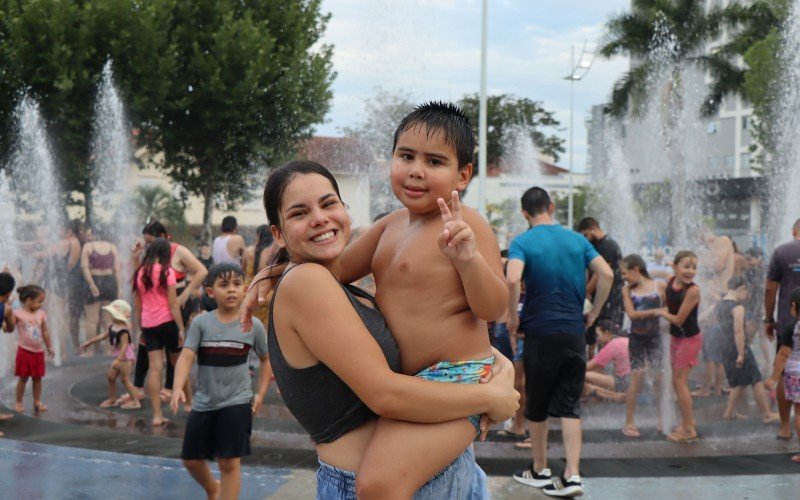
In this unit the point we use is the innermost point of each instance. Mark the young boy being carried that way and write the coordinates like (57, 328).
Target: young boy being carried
(439, 279)
(223, 407)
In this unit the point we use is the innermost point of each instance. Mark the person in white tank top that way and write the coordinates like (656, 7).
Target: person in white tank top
(229, 246)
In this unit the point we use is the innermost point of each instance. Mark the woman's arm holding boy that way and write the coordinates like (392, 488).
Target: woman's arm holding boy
(470, 244)
(356, 358)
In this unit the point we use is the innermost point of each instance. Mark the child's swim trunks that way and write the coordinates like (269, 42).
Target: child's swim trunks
(460, 372)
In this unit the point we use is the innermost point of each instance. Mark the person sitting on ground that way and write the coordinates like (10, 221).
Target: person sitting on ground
(740, 363)
(614, 350)
(224, 404)
(119, 336)
(787, 366)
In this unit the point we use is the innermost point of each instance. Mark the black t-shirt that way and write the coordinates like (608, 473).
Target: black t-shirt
(785, 336)
(612, 254)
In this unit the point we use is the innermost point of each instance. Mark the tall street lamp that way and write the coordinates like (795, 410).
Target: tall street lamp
(482, 118)
(577, 73)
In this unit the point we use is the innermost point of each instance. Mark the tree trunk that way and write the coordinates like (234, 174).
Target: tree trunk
(672, 134)
(88, 205)
(208, 210)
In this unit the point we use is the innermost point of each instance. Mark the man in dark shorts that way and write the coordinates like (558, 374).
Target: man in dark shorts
(553, 262)
(783, 276)
(611, 253)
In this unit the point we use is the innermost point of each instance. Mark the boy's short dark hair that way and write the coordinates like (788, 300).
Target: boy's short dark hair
(535, 201)
(224, 269)
(229, 224)
(794, 298)
(447, 119)
(588, 223)
(7, 283)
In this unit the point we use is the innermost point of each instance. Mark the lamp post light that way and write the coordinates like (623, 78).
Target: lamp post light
(577, 73)
(482, 120)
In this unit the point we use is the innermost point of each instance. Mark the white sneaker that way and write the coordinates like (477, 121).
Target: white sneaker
(536, 479)
(561, 487)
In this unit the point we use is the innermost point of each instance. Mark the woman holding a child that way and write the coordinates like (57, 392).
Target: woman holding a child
(337, 368)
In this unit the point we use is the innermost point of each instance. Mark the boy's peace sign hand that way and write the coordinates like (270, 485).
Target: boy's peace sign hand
(457, 240)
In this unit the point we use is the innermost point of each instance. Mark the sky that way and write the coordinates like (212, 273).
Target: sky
(430, 49)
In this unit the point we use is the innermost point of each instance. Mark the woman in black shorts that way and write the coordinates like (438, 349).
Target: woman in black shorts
(100, 266)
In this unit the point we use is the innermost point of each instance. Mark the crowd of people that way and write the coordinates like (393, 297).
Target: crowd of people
(393, 388)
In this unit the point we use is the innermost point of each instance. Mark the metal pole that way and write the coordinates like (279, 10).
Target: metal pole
(571, 135)
(482, 167)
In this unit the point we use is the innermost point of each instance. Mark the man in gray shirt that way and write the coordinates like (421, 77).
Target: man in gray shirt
(783, 276)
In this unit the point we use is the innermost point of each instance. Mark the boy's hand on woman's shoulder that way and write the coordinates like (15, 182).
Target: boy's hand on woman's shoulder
(457, 240)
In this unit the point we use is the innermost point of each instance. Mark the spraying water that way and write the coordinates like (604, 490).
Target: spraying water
(38, 203)
(112, 153)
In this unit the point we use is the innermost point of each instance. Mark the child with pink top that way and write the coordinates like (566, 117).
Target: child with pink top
(119, 336)
(32, 337)
(156, 305)
(614, 350)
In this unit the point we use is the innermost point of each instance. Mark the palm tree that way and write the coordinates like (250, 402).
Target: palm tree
(665, 38)
(155, 203)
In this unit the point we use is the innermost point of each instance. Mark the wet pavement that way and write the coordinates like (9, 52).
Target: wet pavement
(76, 438)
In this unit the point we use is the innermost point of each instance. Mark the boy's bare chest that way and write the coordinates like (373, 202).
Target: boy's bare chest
(410, 255)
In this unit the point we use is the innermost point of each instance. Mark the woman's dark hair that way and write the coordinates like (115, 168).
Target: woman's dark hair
(635, 261)
(276, 185)
(263, 240)
(609, 326)
(157, 253)
(155, 228)
(29, 292)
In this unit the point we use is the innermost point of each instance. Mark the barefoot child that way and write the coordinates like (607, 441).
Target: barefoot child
(224, 404)
(642, 298)
(683, 300)
(787, 365)
(439, 279)
(119, 336)
(32, 337)
(614, 350)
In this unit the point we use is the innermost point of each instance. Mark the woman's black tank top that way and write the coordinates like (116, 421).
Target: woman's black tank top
(323, 404)
(690, 327)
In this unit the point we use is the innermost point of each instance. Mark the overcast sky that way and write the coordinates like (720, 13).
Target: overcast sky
(430, 49)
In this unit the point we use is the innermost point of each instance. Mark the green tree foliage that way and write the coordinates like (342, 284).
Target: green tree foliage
(762, 81)
(249, 80)
(55, 50)
(506, 111)
(669, 35)
(384, 112)
(155, 203)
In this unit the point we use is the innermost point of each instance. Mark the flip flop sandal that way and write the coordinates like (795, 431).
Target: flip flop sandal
(631, 433)
(795, 459)
(511, 435)
(783, 438)
(130, 405)
(683, 439)
(525, 444)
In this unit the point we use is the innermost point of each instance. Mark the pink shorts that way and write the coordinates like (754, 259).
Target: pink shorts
(683, 352)
(791, 387)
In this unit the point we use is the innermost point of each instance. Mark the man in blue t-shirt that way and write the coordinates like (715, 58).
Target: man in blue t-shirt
(553, 261)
